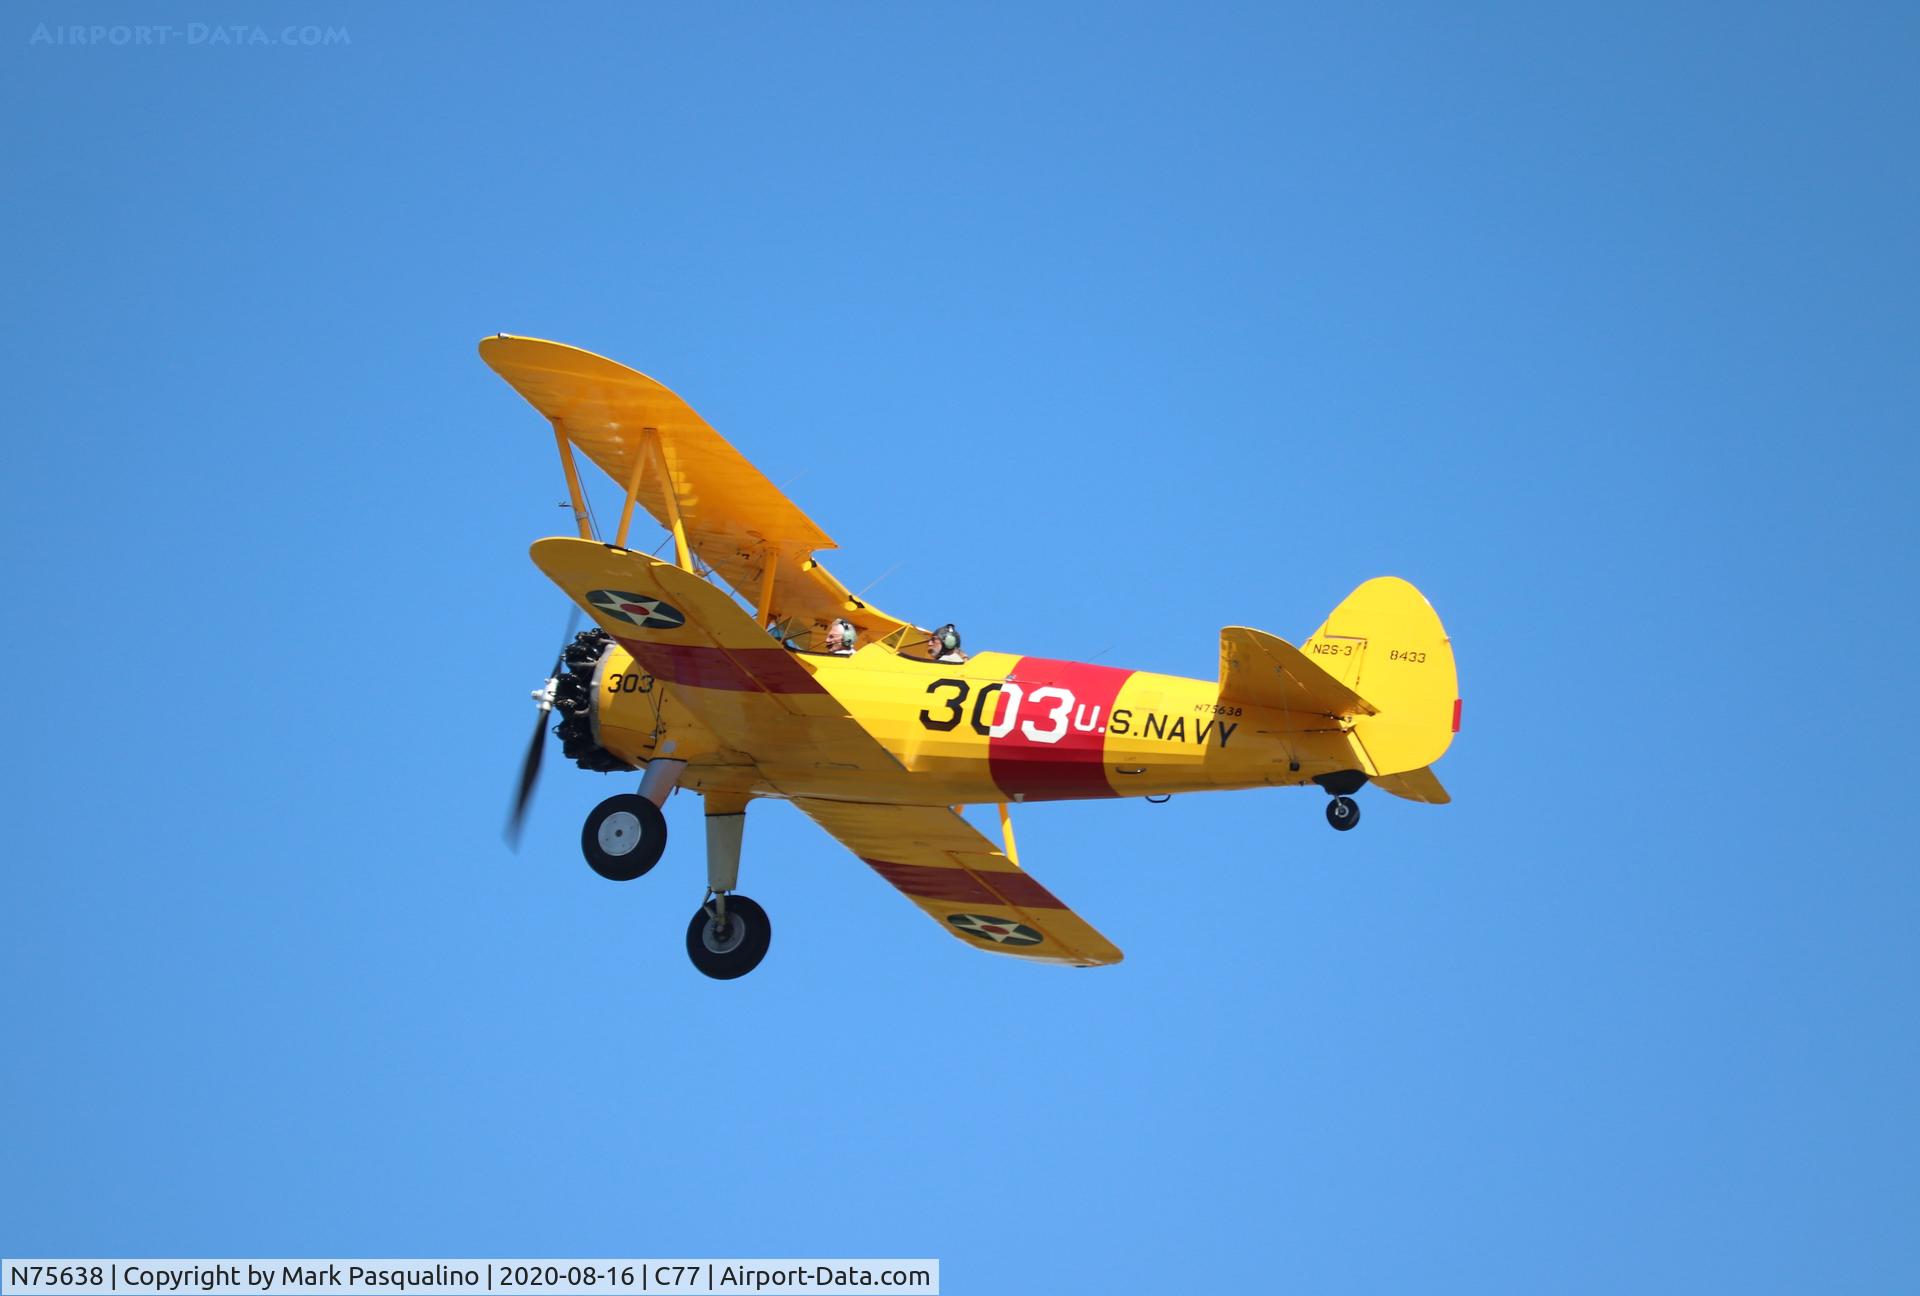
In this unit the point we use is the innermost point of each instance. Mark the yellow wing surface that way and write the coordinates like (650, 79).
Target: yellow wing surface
(758, 697)
(967, 884)
(737, 521)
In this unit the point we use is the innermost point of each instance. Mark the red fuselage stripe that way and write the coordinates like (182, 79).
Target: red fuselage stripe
(1036, 759)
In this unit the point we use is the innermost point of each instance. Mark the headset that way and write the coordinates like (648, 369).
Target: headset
(948, 638)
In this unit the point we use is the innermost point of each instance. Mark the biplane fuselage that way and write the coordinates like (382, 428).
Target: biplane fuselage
(994, 728)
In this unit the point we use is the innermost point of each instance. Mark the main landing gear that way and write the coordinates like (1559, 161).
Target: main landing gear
(624, 837)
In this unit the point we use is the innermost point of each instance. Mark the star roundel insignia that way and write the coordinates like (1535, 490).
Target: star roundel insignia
(996, 931)
(637, 609)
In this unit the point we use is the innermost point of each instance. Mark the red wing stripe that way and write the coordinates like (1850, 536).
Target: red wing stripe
(694, 665)
(776, 669)
(964, 886)
(952, 884)
(1019, 889)
(739, 670)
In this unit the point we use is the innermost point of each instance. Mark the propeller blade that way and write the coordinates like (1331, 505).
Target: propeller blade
(530, 766)
(529, 775)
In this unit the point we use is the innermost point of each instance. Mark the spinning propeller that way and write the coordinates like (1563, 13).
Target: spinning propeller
(530, 767)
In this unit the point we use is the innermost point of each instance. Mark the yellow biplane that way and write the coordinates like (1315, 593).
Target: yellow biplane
(878, 729)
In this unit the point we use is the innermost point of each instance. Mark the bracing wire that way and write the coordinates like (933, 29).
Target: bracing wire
(877, 579)
(593, 523)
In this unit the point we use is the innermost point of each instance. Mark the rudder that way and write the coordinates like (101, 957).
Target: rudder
(1386, 643)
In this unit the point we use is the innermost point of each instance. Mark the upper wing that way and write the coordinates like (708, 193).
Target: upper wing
(736, 520)
(1260, 669)
(941, 862)
(758, 697)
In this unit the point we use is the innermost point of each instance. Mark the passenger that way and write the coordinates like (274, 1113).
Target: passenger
(943, 645)
(840, 635)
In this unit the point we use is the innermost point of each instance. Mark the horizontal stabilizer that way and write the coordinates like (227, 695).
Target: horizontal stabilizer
(1259, 669)
(1414, 785)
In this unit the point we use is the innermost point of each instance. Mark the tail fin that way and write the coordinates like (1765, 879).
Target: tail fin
(1386, 643)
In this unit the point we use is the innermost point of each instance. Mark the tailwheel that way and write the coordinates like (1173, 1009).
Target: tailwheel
(1343, 812)
(728, 936)
(624, 837)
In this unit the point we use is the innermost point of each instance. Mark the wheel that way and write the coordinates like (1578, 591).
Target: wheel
(624, 837)
(735, 951)
(1343, 812)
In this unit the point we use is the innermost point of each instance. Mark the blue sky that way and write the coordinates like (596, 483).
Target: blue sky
(1111, 326)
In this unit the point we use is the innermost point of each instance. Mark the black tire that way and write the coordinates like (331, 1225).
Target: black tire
(736, 951)
(624, 837)
(1343, 812)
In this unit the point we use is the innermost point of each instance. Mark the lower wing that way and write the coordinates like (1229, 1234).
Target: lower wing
(943, 864)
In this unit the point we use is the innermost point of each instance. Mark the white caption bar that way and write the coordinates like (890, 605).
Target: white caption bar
(463, 1277)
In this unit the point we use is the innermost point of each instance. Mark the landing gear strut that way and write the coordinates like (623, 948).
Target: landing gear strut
(729, 934)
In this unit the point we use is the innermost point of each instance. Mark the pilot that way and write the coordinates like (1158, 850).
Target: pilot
(943, 645)
(840, 636)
